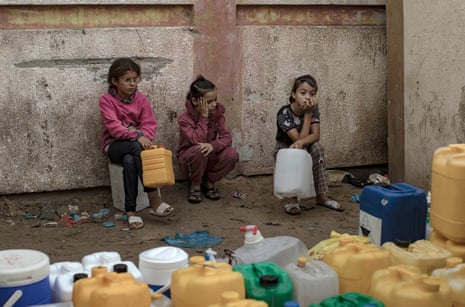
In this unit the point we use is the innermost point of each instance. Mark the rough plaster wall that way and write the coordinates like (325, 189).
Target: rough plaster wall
(434, 83)
(349, 64)
(49, 112)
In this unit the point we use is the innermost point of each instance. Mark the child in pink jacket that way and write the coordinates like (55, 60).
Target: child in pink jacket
(205, 153)
(129, 127)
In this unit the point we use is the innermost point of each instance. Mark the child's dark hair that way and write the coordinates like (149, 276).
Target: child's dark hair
(120, 66)
(299, 80)
(200, 87)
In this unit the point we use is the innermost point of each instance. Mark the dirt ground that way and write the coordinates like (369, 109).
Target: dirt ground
(22, 227)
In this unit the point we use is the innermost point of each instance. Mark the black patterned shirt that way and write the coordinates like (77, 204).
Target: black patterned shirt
(287, 120)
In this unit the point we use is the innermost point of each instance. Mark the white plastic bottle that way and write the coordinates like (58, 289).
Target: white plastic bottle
(109, 259)
(281, 250)
(455, 277)
(62, 280)
(313, 281)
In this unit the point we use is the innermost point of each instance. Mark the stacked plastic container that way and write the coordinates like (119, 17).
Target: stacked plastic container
(203, 282)
(355, 263)
(447, 213)
(281, 250)
(406, 286)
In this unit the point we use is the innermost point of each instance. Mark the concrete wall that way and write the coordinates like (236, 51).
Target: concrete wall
(55, 58)
(426, 84)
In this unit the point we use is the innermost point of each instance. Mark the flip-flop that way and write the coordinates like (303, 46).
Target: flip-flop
(163, 210)
(292, 209)
(332, 204)
(135, 222)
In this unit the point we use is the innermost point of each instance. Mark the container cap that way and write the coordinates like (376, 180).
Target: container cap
(452, 262)
(78, 276)
(291, 304)
(268, 280)
(163, 258)
(252, 234)
(120, 268)
(20, 267)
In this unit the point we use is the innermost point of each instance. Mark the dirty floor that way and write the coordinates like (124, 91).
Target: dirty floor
(22, 227)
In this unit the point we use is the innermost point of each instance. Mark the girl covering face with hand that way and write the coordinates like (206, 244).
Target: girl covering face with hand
(298, 126)
(205, 153)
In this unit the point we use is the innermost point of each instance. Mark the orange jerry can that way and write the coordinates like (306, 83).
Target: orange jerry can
(157, 167)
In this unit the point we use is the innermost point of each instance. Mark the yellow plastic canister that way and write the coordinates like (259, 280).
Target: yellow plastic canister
(157, 167)
(422, 291)
(383, 281)
(455, 248)
(232, 299)
(203, 282)
(447, 213)
(110, 289)
(355, 263)
(423, 254)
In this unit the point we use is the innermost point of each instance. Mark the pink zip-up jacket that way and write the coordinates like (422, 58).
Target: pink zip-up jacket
(118, 116)
(194, 129)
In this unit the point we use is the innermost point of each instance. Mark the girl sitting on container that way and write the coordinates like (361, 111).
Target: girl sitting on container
(205, 153)
(298, 126)
(129, 127)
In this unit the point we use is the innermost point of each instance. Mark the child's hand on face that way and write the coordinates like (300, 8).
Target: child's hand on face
(310, 107)
(203, 106)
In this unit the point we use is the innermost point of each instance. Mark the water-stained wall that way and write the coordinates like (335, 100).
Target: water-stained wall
(426, 84)
(55, 58)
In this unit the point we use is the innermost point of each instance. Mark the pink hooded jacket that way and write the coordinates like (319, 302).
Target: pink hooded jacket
(118, 116)
(196, 129)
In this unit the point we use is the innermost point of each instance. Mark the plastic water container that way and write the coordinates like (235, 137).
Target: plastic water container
(266, 281)
(393, 213)
(109, 260)
(281, 250)
(383, 281)
(110, 289)
(62, 275)
(293, 174)
(355, 264)
(350, 299)
(157, 167)
(157, 265)
(456, 249)
(232, 299)
(447, 214)
(24, 278)
(422, 291)
(423, 254)
(158, 300)
(203, 282)
(313, 281)
(455, 277)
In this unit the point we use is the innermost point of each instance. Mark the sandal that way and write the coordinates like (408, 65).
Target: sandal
(292, 209)
(163, 210)
(332, 204)
(211, 193)
(135, 222)
(195, 196)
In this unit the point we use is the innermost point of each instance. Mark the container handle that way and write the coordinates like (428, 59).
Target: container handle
(396, 187)
(13, 298)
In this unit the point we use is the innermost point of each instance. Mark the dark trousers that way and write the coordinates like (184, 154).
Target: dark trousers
(127, 154)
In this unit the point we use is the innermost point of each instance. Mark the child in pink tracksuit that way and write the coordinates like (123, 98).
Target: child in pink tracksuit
(205, 153)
